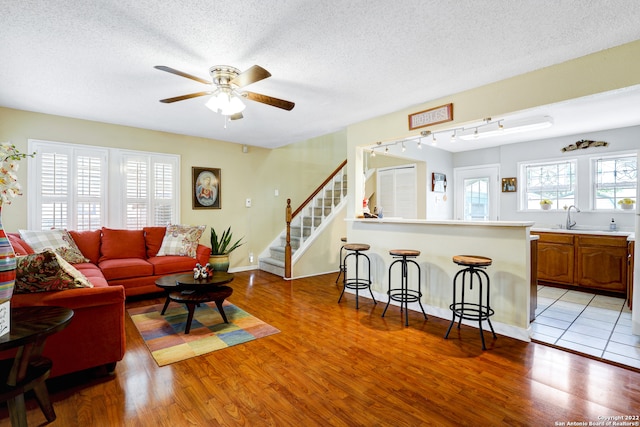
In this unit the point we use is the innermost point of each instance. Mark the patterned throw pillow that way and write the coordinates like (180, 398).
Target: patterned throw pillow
(58, 240)
(181, 240)
(47, 271)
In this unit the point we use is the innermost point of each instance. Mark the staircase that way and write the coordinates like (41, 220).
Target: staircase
(306, 223)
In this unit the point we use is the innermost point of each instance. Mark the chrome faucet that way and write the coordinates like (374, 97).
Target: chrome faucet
(570, 223)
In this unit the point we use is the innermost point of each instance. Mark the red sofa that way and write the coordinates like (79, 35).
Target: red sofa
(122, 263)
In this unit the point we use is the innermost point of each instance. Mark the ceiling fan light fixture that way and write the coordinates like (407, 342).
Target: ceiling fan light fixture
(225, 103)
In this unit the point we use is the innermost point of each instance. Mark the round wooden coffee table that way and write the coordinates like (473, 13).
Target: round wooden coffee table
(184, 289)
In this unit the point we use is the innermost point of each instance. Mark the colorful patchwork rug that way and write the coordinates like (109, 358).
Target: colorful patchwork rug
(164, 334)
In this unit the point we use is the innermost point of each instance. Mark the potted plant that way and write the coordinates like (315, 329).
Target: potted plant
(546, 204)
(221, 247)
(626, 203)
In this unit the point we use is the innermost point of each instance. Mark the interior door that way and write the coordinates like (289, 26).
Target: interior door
(476, 193)
(397, 191)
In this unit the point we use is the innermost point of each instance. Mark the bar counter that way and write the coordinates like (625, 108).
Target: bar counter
(507, 243)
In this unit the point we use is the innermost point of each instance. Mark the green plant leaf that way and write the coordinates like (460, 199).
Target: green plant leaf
(221, 245)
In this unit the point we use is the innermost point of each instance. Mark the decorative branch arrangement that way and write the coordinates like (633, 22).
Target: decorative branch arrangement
(584, 143)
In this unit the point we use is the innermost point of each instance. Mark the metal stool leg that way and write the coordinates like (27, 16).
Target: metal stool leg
(404, 295)
(357, 283)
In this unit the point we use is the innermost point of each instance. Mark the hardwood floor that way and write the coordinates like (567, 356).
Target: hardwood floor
(334, 365)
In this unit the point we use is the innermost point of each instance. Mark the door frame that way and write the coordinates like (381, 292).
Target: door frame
(492, 171)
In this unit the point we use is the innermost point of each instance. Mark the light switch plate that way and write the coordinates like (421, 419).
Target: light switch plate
(247, 203)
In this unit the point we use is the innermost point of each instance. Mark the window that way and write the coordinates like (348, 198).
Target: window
(614, 179)
(554, 181)
(84, 188)
(476, 199)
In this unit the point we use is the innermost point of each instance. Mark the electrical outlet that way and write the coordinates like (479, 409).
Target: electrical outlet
(247, 203)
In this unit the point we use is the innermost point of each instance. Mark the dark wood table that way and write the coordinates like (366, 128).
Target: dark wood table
(30, 327)
(184, 289)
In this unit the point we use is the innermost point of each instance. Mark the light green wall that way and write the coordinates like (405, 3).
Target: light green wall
(294, 170)
(610, 69)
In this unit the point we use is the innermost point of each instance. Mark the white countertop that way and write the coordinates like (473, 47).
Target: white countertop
(392, 220)
(630, 235)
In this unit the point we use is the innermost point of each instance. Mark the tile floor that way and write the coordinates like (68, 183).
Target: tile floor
(597, 325)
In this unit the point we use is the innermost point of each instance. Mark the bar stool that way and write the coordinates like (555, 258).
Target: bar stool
(403, 294)
(343, 266)
(474, 267)
(356, 250)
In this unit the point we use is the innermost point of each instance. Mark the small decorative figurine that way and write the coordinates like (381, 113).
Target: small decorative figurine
(202, 272)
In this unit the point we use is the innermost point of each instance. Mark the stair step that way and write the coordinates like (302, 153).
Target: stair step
(318, 211)
(271, 266)
(277, 252)
(295, 231)
(307, 220)
(294, 242)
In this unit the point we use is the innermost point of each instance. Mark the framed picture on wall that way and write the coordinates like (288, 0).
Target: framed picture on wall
(438, 182)
(206, 188)
(509, 185)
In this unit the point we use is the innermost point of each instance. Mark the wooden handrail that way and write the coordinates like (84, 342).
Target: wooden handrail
(289, 217)
(317, 190)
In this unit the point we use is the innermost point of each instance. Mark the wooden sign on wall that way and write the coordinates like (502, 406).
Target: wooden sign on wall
(433, 116)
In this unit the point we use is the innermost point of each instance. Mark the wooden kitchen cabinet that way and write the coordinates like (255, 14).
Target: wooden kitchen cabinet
(594, 262)
(556, 258)
(601, 263)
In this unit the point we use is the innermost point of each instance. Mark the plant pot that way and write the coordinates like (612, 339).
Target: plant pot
(219, 262)
(545, 207)
(626, 206)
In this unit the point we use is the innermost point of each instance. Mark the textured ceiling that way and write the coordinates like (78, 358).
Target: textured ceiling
(341, 62)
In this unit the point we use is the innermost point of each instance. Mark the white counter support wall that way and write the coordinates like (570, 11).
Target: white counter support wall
(506, 243)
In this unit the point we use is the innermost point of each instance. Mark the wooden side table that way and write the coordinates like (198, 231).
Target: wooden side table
(30, 327)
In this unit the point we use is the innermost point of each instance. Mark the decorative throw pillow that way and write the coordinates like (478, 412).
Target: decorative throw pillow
(88, 242)
(153, 237)
(120, 243)
(58, 240)
(47, 271)
(181, 240)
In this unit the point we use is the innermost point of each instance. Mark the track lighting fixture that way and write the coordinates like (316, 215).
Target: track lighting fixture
(489, 128)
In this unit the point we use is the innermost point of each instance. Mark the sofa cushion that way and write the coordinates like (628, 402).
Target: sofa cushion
(170, 264)
(181, 240)
(47, 271)
(56, 239)
(88, 242)
(119, 244)
(125, 268)
(93, 273)
(153, 237)
(20, 247)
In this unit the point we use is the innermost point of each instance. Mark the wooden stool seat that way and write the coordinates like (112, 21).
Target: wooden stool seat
(404, 252)
(472, 260)
(356, 247)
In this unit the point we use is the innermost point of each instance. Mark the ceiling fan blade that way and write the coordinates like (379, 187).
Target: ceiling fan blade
(236, 116)
(183, 97)
(181, 74)
(269, 100)
(252, 75)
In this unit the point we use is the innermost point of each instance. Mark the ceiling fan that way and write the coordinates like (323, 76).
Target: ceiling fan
(227, 93)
